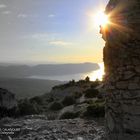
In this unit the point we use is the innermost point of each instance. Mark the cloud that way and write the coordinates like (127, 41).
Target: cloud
(48, 39)
(42, 36)
(37, 36)
(6, 12)
(60, 43)
(22, 16)
(51, 15)
(2, 6)
(26, 16)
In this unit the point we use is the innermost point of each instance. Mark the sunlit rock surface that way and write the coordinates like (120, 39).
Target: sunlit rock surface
(122, 68)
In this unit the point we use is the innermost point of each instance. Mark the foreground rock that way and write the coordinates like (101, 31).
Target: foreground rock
(8, 103)
(7, 99)
(39, 128)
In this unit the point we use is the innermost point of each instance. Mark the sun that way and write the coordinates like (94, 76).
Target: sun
(98, 74)
(101, 19)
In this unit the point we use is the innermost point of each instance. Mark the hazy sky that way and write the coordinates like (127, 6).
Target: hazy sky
(49, 31)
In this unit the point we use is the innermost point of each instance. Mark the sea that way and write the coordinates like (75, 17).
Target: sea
(93, 75)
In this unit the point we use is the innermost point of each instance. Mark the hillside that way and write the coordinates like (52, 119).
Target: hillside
(67, 101)
(27, 88)
(66, 112)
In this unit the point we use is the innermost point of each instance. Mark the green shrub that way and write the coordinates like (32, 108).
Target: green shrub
(87, 79)
(69, 115)
(68, 100)
(95, 83)
(51, 99)
(95, 110)
(56, 106)
(37, 100)
(28, 108)
(52, 115)
(77, 95)
(4, 112)
(89, 101)
(100, 96)
(100, 101)
(91, 93)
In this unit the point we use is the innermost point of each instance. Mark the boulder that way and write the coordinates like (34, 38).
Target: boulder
(7, 99)
(8, 104)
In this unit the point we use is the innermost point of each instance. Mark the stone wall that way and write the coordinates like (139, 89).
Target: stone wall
(122, 68)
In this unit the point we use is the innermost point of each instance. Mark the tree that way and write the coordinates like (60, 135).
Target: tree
(87, 79)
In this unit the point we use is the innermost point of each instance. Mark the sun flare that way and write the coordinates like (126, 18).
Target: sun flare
(98, 74)
(101, 19)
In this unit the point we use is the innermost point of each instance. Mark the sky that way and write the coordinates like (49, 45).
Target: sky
(50, 31)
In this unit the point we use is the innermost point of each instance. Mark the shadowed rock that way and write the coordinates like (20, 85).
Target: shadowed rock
(8, 103)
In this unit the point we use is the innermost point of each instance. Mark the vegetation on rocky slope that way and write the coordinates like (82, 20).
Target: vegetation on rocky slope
(67, 101)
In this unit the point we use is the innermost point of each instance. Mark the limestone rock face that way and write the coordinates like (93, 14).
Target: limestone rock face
(122, 68)
(7, 99)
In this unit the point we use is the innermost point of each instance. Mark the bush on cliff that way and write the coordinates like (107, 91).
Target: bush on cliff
(28, 108)
(4, 112)
(95, 110)
(56, 106)
(69, 115)
(95, 83)
(37, 100)
(77, 95)
(68, 100)
(91, 93)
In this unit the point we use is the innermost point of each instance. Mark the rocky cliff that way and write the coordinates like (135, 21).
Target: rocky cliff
(7, 103)
(122, 68)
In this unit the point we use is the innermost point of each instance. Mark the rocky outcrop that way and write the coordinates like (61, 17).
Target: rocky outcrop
(7, 99)
(8, 103)
(122, 68)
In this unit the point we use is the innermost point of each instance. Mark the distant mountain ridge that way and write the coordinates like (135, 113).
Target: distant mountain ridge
(22, 71)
